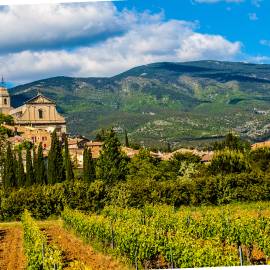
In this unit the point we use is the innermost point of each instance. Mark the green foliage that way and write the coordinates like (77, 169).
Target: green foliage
(40, 255)
(261, 158)
(40, 169)
(6, 119)
(232, 142)
(229, 161)
(67, 162)
(48, 200)
(89, 171)
(56, 169)
(9, 176)
(20, 173)
(179, 239)
(126, 139)
(111, 165)
(30, 177)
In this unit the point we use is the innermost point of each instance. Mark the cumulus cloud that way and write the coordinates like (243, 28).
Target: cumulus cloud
(54, 26)
(142, 39)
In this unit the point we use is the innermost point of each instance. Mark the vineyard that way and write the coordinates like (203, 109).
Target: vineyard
(160, 237)
(151, 237)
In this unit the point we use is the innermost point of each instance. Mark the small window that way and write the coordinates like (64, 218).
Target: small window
(5, 101)
(40, 114)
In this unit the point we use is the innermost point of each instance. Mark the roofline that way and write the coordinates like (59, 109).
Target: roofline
(39, 95)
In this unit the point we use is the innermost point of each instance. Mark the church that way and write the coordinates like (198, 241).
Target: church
(39, 112)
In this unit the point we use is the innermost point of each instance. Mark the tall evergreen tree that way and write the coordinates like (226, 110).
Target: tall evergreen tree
(9, 178)
(15, 168)
(40, 170)
(20, 170)
(68, 163)
(112, 164)
(126, 139)
(89, 173)
(30, 178)
(56, 172)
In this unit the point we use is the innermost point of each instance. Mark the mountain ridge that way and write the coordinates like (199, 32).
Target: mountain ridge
(164, 102)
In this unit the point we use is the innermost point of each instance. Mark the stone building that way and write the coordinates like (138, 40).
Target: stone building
(4, 101)
(39, 112)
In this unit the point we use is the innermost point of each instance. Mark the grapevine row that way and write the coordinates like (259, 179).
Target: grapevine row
(40, 255)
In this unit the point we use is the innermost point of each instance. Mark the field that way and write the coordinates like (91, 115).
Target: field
(152, 237)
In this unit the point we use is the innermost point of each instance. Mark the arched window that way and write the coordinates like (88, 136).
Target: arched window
(5, 101)
(40, 114)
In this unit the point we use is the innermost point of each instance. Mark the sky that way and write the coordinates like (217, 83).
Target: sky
(106, 38)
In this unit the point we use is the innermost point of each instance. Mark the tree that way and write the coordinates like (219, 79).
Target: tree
(233, 142)
(20, 170)
(126, 139)
(112, 164)
(30, 177)
(89, 173)
(68, 163)
(229, 161)
(40, 170)
(9, 178)
(56, 169)
(7, 119)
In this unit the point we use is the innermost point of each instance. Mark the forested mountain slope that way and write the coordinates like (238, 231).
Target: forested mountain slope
(175, 102)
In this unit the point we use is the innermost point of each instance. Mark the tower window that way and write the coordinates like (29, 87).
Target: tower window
(5, 101)
(40, 114)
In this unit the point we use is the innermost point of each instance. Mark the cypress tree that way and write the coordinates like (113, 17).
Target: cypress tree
(126, 139)
(15, 168)
(111, 165)
(68, 163)
(89, 173)
(20, 170)
(56, 172)
(35, 163)
(9, 178)
(29, 169)
(40, 170)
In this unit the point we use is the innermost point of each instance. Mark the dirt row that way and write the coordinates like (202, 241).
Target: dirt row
(11, 248)
(76, 254)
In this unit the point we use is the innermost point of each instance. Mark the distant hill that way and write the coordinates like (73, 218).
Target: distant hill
(181, 103)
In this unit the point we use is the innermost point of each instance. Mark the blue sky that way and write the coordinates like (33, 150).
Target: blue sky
(103, 39)
(247, 20)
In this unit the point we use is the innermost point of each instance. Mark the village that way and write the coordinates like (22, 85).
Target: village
(35, 121)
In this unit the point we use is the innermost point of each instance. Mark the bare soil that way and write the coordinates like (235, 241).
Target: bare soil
(11, 248)
(77, 254)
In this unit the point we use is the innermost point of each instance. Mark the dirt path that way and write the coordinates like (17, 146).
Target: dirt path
(78, 253)
(11, 248)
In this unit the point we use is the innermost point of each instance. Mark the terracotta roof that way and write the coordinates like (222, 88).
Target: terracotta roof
(94, 143)
(16, 139)
(260, 145)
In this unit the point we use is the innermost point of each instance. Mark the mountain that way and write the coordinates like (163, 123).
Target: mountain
(180, 103)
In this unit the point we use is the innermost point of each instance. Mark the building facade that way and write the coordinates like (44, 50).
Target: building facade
(4, 101)
(39, 112)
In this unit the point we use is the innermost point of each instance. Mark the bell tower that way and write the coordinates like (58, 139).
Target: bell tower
(4, 98)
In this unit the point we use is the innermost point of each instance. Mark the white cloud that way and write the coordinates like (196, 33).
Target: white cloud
(253, 16)
(265, 42)
(47, 26)
(145, 39)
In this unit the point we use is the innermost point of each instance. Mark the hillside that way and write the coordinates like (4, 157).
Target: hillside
(183, 103)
